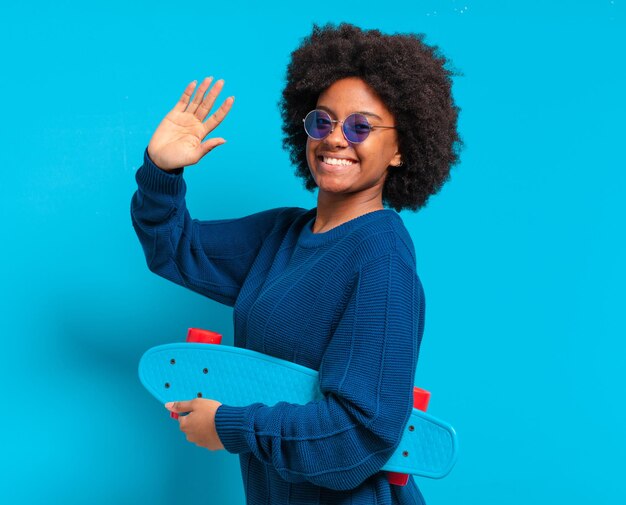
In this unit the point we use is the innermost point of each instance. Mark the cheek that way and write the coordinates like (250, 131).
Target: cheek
(311, 145)
(387, 152)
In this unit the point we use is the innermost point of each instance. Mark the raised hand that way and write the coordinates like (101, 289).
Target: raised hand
(178, 140)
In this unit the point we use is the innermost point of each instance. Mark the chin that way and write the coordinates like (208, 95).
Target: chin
(332, 186)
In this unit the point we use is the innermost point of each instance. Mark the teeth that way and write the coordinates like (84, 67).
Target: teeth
(337, 161)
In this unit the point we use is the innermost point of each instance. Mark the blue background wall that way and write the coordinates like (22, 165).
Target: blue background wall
(521, 254)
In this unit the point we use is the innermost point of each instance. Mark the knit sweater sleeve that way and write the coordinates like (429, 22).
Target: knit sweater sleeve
(209, 257)
(366, 377)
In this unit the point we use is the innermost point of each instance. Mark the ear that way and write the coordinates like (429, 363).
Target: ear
(396, 161)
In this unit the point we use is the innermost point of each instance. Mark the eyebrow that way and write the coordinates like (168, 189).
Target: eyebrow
(365, 113)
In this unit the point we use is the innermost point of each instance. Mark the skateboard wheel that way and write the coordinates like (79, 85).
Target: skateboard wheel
(200, 336)
(397, 479)
(421, 397)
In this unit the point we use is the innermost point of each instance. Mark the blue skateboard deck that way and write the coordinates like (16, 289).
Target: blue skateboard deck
(240, 377)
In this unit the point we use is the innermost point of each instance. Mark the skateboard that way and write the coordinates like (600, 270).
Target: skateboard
(240, 377)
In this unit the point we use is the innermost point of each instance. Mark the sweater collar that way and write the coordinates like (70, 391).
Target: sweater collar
(309, 239)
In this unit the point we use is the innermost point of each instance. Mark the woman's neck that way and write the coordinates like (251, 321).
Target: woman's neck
(334, 210)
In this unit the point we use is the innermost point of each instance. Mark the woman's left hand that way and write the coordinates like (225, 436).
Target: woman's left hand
(199, 423)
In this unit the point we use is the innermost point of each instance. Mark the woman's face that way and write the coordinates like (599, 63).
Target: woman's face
(365, 165)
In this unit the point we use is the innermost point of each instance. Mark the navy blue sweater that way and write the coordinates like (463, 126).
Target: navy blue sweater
(347, 302)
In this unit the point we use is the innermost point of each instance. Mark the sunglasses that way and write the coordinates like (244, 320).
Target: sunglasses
(318, 125)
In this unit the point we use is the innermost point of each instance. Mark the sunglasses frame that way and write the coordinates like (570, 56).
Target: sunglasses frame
(343, 122)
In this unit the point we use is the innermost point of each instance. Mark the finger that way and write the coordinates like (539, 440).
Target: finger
(209, 145)
(199, 96)
(182, 103)
(182, 424)
(218, 116)
(180, 407)
(209, 100)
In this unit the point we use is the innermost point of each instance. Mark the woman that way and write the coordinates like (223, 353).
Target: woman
(333, 288)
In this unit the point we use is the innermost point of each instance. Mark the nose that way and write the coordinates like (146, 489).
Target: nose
(336, 138)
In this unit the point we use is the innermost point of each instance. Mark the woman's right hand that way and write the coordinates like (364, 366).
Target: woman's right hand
(177, 142)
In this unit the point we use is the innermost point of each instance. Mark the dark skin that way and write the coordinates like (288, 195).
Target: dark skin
(348, 191)
(350, 179)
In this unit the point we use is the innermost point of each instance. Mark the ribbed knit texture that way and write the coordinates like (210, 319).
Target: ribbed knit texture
(347, 302)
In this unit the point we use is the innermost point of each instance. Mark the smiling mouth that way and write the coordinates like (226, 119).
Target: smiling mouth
(337, 162)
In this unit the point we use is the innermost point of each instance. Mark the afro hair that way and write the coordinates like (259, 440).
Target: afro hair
(409, 76)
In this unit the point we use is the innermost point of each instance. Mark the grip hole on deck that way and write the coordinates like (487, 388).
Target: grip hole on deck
(199, 395)
(405, 453)
(411, 428)
(167, 385)
(205, 371)
(172, 361)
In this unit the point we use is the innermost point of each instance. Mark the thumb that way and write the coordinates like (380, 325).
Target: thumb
(209, 145)
(179, 407)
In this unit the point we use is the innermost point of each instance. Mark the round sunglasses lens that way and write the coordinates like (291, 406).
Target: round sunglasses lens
(356, 128)
(317, 124)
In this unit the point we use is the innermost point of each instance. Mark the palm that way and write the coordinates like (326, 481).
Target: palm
(178, 140)
(178, 137)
